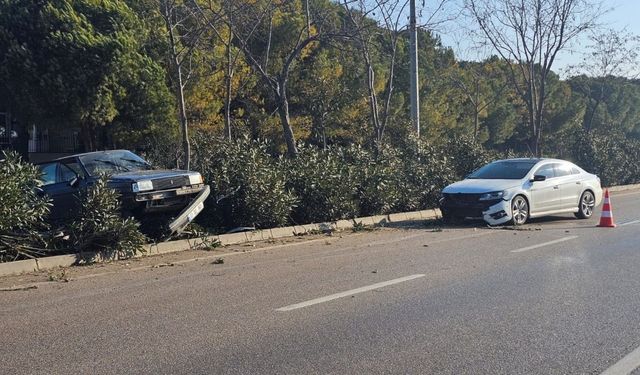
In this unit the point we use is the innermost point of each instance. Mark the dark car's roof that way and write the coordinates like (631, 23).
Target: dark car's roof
(524, 159)
(82, 154)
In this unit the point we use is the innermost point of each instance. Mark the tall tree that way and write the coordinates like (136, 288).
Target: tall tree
(529, 34)
(73, 64)
(377, 29)
(366, 34)
(611, 54)
(474, 80)
(287, 29)
(219, 17)
(183, 34)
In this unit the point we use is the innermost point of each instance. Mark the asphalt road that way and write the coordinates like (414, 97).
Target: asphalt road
(559, 296)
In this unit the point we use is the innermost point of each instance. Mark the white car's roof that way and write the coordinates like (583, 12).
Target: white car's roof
(537, 160)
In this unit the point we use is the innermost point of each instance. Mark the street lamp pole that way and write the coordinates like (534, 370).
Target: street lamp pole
(413, 56)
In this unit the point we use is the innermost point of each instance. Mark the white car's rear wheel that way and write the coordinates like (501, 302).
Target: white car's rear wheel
(586, 206)
(519, 210)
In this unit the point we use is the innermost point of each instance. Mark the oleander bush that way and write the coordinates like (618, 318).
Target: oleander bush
(23, 210)
(101, 227)
(253, 186)
(324, 183)
(24, 229)
(248, 185)
(377, 180)
(614, 157)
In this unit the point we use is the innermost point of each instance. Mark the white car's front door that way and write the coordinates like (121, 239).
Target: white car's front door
(545, 195)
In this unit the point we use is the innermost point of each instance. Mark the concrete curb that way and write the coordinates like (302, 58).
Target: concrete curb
(48, 263)
(53, 262)
(19, 266)
(624, 187)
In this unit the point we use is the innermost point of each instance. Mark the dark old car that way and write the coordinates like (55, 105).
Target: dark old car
(145, 191)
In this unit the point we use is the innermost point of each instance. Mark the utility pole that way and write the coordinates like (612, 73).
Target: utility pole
(413, 56)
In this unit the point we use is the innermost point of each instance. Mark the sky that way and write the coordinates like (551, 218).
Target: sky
(621, 14)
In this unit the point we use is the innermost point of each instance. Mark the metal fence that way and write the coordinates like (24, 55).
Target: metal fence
(53, 141)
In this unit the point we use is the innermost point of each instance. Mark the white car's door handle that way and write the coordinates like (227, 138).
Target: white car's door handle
(556, 187)
(578, 183)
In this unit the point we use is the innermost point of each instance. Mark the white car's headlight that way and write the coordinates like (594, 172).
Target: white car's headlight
(491, 196)
(195, 179)
(144, 185)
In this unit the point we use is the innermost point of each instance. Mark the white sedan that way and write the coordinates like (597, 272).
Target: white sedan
(514, 190)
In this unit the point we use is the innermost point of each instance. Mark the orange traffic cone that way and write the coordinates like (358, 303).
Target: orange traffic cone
(606, 220)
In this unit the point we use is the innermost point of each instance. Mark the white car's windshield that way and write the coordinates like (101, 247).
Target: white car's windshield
(504, 170)
(113, 162)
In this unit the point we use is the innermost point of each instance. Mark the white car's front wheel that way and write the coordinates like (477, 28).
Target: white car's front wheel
(519, 210)
(587, 205)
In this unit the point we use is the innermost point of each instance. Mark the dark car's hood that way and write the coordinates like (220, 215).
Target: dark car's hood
(149, 175)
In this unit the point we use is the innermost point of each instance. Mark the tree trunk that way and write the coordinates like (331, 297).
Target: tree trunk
(589, 124)
(476, 112)
(387, 102)
(177, 64)
(283, 111)
(227, 94)
(373, 102)
(476, 120)
(227, 78)
(186, 146)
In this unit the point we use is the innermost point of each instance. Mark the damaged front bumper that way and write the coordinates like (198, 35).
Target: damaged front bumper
(190, 212)
(494, 212)
(497, 214)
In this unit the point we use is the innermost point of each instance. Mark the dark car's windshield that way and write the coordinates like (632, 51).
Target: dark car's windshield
(113, 162)
(504, 170)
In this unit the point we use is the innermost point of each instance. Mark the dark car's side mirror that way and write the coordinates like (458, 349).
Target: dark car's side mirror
(74, 182)
(538, 178)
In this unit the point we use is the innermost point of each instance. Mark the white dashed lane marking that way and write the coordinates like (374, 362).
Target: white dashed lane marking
(544, 244)
(626, 365)
(349, 293)
(629, 223)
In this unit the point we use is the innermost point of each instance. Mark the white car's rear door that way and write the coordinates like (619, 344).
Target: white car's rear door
(569, 184)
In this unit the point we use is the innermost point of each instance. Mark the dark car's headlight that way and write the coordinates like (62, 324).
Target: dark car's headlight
(196, 179)
(492, 195)
(144, 185)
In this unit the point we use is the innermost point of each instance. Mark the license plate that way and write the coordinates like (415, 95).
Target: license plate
(196, 210)
(185, 191)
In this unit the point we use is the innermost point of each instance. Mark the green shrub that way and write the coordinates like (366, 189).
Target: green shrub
(377, 177)
(100, 226)
(425, 170)
(22, 210)
(325, 184)
(248, 185)
(611, 155)
(465, 155)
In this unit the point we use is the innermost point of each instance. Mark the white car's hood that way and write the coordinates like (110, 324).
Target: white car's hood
(480, 186)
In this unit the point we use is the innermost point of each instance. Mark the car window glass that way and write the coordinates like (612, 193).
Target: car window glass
(562, 169)
(65, 173)
(575, 170)
(75, 166)
(48, 176)
(504, 169)
(546, 170)
(112, 162)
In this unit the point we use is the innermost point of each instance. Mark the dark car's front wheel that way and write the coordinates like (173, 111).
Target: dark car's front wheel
(586, 206)
(519, 210)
